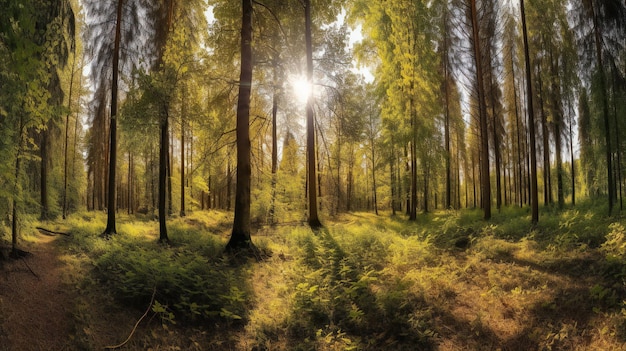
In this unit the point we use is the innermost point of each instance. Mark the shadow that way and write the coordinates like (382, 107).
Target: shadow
(342, 304)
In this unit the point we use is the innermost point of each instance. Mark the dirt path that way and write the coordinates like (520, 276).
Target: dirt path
(35, 312)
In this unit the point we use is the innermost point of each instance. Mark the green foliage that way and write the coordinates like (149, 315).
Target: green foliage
(340, 298)
(190, 285)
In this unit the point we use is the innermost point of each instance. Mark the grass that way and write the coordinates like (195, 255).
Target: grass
(364, 282)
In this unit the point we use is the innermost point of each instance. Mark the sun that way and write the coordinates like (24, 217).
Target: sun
(301, 88)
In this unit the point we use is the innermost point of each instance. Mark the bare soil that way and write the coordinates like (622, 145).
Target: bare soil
(35, 311)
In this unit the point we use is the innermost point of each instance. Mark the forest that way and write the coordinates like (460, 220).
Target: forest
(312, 175)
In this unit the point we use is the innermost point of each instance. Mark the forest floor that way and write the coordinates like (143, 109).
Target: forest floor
(36, 301)
(448, 282)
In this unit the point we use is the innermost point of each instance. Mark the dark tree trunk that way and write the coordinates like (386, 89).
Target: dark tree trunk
(169, 158)
(484, 132)
(605, 106)
(545, 136)
(531, 125)
(393, 183)
(314, 221)
(447, 111)
(110, 228)
(182, 152)
(240, 237)
(275, 96)
(17, 190)
(520, 166)
(45, 159)
(571, 154)
(163, 162)
(66, 141)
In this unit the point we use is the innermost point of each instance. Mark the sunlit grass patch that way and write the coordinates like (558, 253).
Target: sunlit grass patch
(367, 282)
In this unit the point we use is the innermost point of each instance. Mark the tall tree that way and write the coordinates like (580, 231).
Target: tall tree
(313, 219)
(484, 132)
(240, 236)
(110, 228)
(534, 201)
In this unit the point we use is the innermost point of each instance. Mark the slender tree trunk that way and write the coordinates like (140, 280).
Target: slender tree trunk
(163, 162)
(545, 135)
(169, 166)
(240, 237)
(618, 148)
(274, 141)
(519, 147)
(571, 154)
(531, 125)
(131, 183)
(484, 134)
(65, 148)
(375, 199)
(17, 190)
(447, 110)
(182, 151)
(392, 182)
(229, 183)
(110, 228)
(45, 159)
(474, 179)
(314, 221)
(605, 106)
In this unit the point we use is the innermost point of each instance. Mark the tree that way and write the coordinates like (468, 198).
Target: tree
(240, 236)
(34, 46)
(484, 133)
(110, 228)
(313, 219)
(534, 201)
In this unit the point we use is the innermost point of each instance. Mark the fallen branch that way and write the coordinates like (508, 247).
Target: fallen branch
(51, 232)
(30, 269)
(136, 325)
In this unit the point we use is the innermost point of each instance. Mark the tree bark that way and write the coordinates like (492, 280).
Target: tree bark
(240, 237)
(67, 127)
(531, 125)
(182, 151)
(605, 107)
(45, 208)
(484, 133)
(163, 162)
(314, 221)
(110, 228)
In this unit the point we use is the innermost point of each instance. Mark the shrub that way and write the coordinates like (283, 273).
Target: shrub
(192, 286)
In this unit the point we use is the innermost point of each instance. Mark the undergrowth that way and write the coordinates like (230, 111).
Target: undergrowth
(366, 282)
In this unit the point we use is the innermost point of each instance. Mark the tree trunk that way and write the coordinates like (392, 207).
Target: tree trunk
(571, 154)
(240, 237)
(605, 107)
(484, 133)
(547, 188)
(17, 190)
(163, 162)
(392, 182)
(182, 151)
(110, 228)
(618, 149)
(45, 159)
(375, 198)
(447, 110)
(531, 125)
(272, 209)
(519, 147)
(314, 221)
(66, 142)
(169, 166)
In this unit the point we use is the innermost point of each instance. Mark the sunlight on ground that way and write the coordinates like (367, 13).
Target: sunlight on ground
(363, 282)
